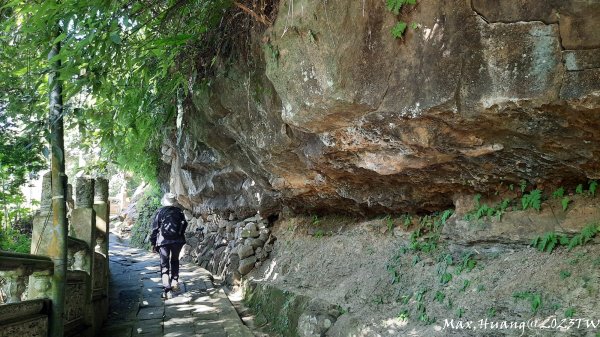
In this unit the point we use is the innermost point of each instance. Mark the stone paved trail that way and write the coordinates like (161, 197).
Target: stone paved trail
(136, 309)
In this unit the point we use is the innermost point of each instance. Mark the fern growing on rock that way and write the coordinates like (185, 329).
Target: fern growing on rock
(395, 6)
(533, 200)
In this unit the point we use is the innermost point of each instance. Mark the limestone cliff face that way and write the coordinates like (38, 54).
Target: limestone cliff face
(328, 112)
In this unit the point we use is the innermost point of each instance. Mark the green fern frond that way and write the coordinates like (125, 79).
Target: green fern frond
(398, 29)
(559, 193)
(593, 186)
(394, 6)
(523, 186)
(565, 203)
(536, 199)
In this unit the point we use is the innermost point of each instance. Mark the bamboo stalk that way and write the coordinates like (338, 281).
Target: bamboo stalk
(57, 249)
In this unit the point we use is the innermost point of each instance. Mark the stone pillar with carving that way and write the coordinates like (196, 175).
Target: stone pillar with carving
(102, 209)
(101, 206)
(40, 285)
(83, 221)
(14, 284)
(42, 222)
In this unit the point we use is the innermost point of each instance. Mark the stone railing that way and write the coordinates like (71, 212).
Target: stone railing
(26, 280)
(27, 318)
(16, 270)
(23, 317)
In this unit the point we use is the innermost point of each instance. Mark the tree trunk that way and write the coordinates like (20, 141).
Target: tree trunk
(57, 249)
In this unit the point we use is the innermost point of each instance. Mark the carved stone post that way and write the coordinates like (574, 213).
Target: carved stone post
(102, 209)
(101, 206)
(40, 285)
(14, 284)
(83, 222)
(42, 222)
(81, 253)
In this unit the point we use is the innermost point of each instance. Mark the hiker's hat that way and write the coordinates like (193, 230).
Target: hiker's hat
(168, 199)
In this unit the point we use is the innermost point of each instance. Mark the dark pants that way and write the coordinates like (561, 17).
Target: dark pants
(169, 263)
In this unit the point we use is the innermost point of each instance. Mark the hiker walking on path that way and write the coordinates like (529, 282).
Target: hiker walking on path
(167, 238)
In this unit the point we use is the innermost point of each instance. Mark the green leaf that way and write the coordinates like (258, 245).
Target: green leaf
(398, 29)
(533, 200)
(579, 189)
(394, 6)
(536, 302)
(446, 277)
(592, 188)
(565, 203)
(115, 37)
(477, 199)
(523, 186)
(447, 213)
(559, 193)
(563, 240)
(525, 201)
(20, 72)
(60, 38)
(173, 40)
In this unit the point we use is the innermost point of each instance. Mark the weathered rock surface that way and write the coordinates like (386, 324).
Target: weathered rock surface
(245, 251)
(246, 265)
(328, 112)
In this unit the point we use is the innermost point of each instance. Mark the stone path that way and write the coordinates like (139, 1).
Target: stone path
(136, 309)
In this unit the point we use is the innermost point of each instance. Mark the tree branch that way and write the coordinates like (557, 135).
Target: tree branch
(259, 18)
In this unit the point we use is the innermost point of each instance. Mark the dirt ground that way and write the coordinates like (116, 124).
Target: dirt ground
(383, 289)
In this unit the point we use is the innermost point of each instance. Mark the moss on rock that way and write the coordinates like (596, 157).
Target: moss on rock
(147, 206)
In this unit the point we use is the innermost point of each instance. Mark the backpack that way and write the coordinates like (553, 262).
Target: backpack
(172, 222)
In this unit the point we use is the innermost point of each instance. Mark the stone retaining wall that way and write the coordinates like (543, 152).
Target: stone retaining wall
(228, 248)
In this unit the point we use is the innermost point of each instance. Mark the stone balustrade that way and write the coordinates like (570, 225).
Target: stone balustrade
(15, 272)
(26, 279)
(27, 318)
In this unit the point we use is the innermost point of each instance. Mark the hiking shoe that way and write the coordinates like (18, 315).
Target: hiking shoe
(167, 295)
(175, 285)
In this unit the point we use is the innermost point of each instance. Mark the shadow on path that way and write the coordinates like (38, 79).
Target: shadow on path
(136, 308)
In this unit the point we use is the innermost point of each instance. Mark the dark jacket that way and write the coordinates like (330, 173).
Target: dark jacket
(156, 237)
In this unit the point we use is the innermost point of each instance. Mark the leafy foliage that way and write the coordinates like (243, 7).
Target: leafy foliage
(121, 66)
(564, 274)
(579, 189)
(570, 312)
(447, 214)
(147, 206)
(20, 159)
(467, 264)
(395, 6)
(13, 240)
(389, 222)
(483, 210)
(565, 203)
(398, 29)
(549, 241)
(592, 188)
(534, 299)
(586, 235)
(523, 185)
(533, 200)
(545, 243)
(559, 193)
